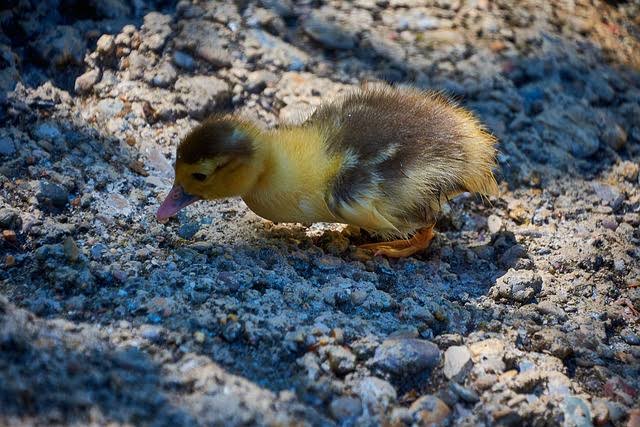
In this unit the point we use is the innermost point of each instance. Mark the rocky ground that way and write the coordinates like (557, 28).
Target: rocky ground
(524, 311)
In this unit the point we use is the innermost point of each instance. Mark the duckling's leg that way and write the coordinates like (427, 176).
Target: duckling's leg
(403, 248)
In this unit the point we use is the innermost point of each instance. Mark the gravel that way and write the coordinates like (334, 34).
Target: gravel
(523, 310)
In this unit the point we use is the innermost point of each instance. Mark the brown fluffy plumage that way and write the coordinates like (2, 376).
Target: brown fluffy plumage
(399, 138)
(381, 158)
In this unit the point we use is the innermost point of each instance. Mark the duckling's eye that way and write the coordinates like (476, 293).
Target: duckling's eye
(199, 176)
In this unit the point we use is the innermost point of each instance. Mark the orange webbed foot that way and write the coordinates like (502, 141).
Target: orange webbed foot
(402, 248)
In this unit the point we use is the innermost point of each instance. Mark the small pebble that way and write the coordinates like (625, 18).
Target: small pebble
(71, 250)
(199, 337)
(9, 235)
(464, 393)
(184, 60)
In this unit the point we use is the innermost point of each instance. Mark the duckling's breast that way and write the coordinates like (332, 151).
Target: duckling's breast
(297, 176)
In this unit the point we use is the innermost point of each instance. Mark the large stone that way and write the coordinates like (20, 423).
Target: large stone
(278, 52)
(85, 82)
(202, 94)
(155, 31)
(572, 128)
(203, 40)
(50, 194)
(519, 286)
(553, 341)
(323, 29)
(457, 363)
(407, 356)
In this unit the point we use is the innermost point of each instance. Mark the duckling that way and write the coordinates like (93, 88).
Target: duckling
(381, 158)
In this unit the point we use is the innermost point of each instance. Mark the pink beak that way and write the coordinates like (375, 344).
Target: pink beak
(175, 200)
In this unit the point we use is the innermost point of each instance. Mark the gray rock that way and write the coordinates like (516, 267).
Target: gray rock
(50, 194)
(457, 363)
(278, 52)
(47, 252)
(10, 219)
(614, 136)
(376, 394)
(517, 286)
(165, 75)
(85, 82)
(464, 393)
(385, 47)
(573, 129)
(284, 8)
(552, 341)
(150, 332)
(7, 147)
(608, 194)
(627, 335)
(258, 80)
(214, 55)
(341, 360)
(184, 60)
(346, 407)
(202, 94)
(494, 224)
(105, 44)
(47, 130)
(108, 107)
(576, 412)
(139, 63)
(406, 356)
(324, 30)
(71, 250)
(188, 230)
(364, 347)
(155, 31)
(203, 40)
(9, 74)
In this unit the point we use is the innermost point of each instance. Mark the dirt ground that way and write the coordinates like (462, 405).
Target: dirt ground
(524, 311)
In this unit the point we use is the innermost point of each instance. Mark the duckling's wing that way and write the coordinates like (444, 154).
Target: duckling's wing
(402, 152)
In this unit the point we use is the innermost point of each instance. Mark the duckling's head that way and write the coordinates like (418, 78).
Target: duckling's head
(220, 158)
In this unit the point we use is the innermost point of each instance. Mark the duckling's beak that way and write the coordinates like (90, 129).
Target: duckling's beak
(176, 200)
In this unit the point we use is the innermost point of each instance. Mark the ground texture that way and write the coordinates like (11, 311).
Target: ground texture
(524, 311)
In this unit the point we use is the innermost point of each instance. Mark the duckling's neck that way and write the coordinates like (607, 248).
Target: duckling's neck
(296, 173)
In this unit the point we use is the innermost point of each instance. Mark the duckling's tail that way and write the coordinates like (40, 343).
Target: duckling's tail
(480, 152)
